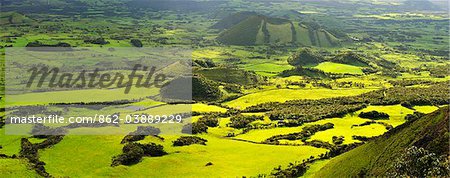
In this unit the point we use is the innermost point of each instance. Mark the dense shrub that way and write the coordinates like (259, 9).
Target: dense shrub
(303, 71)
(232, 88)
(405, 83)
(30, 151)
(132, 153)
(338, 140)
(339, 149)
(189, 140)
(374, 115)
(361, 138)
(305, 56)
(100, 41)
(306, 132)
(2, 122)
(153, 150)
(140, 133)
(41, 131)
(386, 125)
(364, 124)
(407, 105)
(39, 44)
(207, 63)
(202, 89)
(209, 120)
(50, 141)
(320, 144)
(414, 116)
(313, 110)
(293, 170)
(241, 121)
(136, 43)
(195, 128)
(440, 71)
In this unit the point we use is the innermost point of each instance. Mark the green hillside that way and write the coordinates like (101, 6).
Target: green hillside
(232, 20)
(244, 33)
(351, 58)
(259, 30)
(376, 158)
(233, 76)
(14, 18)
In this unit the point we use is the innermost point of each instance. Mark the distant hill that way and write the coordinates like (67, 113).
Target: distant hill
(233, 19)
(14, 18)
(248, 28)
(376, 157)
(420, 5)
(287, 14)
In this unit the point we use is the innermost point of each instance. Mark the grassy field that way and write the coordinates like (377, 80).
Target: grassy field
(10, 143)
(343, 127)
(90, 95)
(314, 168)
(267, 69)
(336, 68)
(260, 135)
(378, 156)
(207, 108)
(425, 109)
(396, 113)
(226, 155)
(282, 95)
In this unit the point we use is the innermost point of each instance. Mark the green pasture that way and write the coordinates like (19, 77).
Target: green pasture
(282, 95)
(336, 68)
(230, 158)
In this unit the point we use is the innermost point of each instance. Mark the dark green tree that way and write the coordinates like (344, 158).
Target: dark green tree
(418, 162)
(136, 43)
(305, 56)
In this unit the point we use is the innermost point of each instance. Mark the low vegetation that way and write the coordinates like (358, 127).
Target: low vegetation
(374, 115)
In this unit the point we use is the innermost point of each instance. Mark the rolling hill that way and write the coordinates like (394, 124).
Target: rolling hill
(8, 18)
(375, 158)
(249, 28)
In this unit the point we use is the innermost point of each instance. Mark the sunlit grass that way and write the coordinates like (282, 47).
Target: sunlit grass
(331, 67)
(426, 109)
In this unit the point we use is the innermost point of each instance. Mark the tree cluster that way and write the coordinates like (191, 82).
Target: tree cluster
(374, 115)
(305, 134)
(242, 121)
(132, 153)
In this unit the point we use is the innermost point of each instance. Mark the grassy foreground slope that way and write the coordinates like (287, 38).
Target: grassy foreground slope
(430, 132)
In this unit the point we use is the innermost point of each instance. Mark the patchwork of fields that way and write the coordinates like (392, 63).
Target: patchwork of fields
(276, 89)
